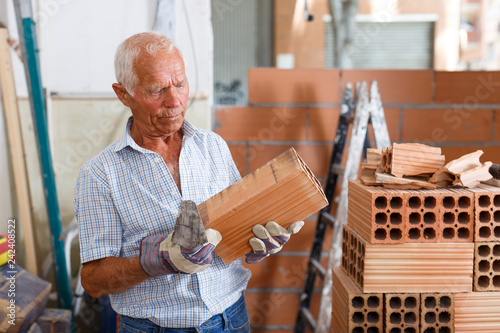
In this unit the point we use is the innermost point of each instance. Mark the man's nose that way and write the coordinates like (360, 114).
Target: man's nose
(172, 98)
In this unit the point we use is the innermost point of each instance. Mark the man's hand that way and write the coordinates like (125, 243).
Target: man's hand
(270, 240)
(160, 256)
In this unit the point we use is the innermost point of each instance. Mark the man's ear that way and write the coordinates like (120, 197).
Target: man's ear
(122, 93)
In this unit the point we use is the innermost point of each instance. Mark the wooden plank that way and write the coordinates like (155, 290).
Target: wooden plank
(17, 152)
(353, 310)
(477, 312)
(284, 190)
(410, 267)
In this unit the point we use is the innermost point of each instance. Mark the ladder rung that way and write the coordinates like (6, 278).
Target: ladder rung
(338, 169)
(311, 322)
(328, 218)
(319, 268)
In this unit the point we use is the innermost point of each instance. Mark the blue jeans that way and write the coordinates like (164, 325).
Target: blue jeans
(233, 319)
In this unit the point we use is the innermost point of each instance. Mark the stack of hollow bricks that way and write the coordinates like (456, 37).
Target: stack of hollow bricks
(457, 111)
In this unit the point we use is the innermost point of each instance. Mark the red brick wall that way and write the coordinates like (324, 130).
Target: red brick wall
(458, 111)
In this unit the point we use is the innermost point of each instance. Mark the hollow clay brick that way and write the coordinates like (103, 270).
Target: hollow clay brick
(437, 313)
(457, 215)
(402, 313)
(487, 266)
(409, 267)
(487, 213)
(477, 312)
(376, 213)
(352, 310)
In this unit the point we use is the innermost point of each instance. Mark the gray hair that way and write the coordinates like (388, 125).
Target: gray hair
(130, 49)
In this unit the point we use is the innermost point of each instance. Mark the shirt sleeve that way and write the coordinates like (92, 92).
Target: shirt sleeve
(99, 223)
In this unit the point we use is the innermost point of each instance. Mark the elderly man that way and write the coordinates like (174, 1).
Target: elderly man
(127, 199)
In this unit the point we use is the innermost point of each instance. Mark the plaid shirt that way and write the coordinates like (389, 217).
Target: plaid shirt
(126, 193)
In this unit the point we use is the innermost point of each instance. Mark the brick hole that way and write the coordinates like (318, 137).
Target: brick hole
(410, 302)
(395, 330)
(496, 266)
(430, 318)
(358, 302)
(395, 303)
(344, 263)
(396, 203)
(429, 233)
(380, 234)
(429, 218)
(496, 201)
(430, 202)
(396, 219)
(444, 330)
(362, 248)
(484, 266)
(484, 201)
(352, 240)
(361, 265)
(358, 330)
(395, 318)
(484, 216)
(351, 254)
(448, 233)
(396, 234)
(445, 302)
(496, 250)
(464, 202)
(414, 202)
(381, 218)
(361, 281)
(430, 330)
(496, 216)
(463, 218)
(414, 233)
(430, 302)
(410, 318)
(373, 302)
(484, 232)
(355, 260)
(372, 330)
(448, 202)
(358, 277)
(496, 282)
(381, 202)
(354, 245)
(358, 318)
(484, 250)
(483, 281)
(497, 232)
(444, 317)
(449, 218)
(410, 330)
(372, 317)
(415, 218)
(463, 233)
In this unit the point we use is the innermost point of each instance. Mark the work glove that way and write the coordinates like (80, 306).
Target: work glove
(269, 240)
(160, 256)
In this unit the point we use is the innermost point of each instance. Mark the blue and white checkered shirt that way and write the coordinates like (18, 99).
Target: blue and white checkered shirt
(126, 193)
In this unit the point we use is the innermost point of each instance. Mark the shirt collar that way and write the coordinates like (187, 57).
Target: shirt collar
(126, 138)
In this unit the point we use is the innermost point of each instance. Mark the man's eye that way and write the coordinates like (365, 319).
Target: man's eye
(157, 92)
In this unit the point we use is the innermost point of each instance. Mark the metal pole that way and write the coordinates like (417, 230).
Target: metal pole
(29, 47)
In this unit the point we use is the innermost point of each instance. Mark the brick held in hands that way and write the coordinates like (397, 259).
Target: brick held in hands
(477, 312)
(487, 266)
(284, 190)
(402, 313)
(376, 213)
(410, 267)
(352, 310)
(437, 313)
(487, 213)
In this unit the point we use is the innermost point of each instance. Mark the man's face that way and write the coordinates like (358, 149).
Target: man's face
(161, 95)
